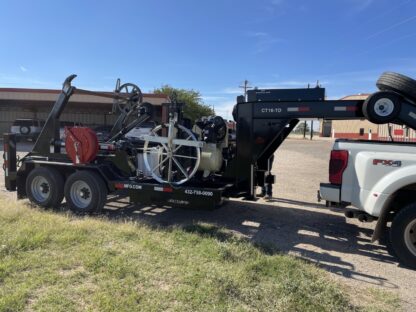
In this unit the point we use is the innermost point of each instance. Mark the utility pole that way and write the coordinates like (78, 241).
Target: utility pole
(245, 87)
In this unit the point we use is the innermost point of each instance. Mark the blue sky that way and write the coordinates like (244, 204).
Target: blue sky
(210, 46)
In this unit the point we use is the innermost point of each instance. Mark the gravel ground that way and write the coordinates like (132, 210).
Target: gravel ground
(295, 223)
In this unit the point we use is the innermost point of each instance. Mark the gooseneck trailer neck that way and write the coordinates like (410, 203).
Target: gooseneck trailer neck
(268, 116)
(219, 166)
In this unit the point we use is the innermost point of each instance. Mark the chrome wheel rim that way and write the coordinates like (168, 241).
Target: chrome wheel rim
(80, 194)
(384, 107)
(40, 189)
(410, 237)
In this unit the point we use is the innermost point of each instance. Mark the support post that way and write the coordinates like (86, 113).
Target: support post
(311, 129)
(304, 129)
(10, 161)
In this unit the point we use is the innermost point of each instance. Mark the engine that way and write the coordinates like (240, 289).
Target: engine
(213, 129)
(214, 132)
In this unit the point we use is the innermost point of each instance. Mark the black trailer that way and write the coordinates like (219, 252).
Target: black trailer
(177, 163)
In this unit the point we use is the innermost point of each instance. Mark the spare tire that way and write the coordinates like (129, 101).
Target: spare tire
(404, 85)
(382, 107)
(24, 130)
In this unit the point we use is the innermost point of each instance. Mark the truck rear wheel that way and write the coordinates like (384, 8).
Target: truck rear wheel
(85, 192)
(403, 235)
(382, 107)
(45, 187)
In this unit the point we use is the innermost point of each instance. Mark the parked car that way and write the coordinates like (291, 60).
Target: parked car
(27, 129)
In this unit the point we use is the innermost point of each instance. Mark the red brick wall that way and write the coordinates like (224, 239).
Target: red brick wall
(355, 136)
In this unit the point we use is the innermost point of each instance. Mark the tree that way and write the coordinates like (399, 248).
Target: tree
(194, 105)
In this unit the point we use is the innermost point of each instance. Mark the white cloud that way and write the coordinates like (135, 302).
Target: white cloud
(361, 5)
(232, 91)
(225, 109)
(289, 84)
(25, 82)
(257, 34)
(213, 98)
(263, 41)
(22, 68)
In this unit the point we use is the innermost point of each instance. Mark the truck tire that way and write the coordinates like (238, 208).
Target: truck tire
(85, 192)
(25, 130)
(404, 85)
(403, 236)
(382, 107)
(45, 187)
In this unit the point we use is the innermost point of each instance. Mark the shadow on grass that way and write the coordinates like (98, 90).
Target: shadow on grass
(222, 235)
(310, 234)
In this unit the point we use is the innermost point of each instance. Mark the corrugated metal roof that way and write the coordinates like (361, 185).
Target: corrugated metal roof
(48, 95)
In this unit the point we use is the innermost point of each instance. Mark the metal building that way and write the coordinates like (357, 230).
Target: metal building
(90, 110)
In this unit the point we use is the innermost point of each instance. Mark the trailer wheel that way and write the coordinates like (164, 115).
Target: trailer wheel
(403, 236)
(406, 86)
(45, 187)
(382, 107)
(85, 192)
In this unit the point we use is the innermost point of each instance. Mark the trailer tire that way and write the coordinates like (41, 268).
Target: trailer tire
(402, 238)
(45, 187)
(404, 85)
(85, 192)
(382, 107)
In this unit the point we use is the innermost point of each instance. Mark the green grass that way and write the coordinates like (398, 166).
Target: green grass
(58, 262)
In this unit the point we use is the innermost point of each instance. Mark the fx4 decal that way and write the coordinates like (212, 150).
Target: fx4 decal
(386, 162)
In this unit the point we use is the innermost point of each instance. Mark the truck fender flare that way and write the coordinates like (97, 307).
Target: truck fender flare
(402, 177)
(389, 188)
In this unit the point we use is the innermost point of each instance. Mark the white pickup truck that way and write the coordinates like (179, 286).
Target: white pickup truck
(378, 179)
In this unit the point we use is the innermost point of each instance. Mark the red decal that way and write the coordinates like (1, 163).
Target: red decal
(352, 108)
(119, 186)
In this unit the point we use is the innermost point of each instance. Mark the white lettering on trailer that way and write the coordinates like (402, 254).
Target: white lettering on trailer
(271, 110)
(121, 186)
(199, 193)
(178, 201)
(133, 186)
